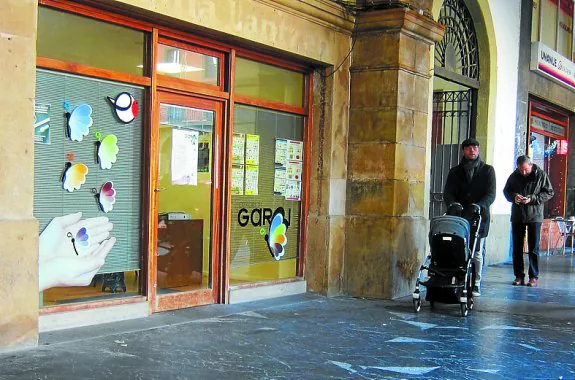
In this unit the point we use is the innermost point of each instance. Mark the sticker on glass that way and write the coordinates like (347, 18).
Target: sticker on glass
(80, 241)
(106, 196)
(277, 239)
(125, 106)
(79, 120)
(74, 176)
(107, 150)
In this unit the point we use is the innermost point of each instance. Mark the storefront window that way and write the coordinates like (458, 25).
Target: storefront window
(88, 160)
(548, 147)
(185, 64)
(77, 39)
(552, 24)
(267, 162)
(258, 80)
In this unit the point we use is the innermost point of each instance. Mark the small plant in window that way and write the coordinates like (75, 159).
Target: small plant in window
(79, 120)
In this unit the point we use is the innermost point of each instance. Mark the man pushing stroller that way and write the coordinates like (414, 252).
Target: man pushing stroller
(472, 181)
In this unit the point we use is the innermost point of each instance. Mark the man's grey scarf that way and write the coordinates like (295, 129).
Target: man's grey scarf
(469, 166)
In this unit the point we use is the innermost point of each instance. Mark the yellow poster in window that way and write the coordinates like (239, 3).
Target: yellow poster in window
(237, 180)
(238, 148)
(251, 184)
(252, 150)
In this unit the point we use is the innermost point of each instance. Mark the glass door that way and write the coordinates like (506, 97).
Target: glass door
(184, 268)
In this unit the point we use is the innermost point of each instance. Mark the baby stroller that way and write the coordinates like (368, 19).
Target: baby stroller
(448, 273)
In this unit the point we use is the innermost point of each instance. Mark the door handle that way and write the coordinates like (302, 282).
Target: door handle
(158, 189)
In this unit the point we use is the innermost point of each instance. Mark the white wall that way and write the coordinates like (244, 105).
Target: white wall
(506, 19)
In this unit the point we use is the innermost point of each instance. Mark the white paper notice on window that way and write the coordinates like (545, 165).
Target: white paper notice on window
(252, 150)
(238, 148)
(237, 179)
(293, 170)
(293, 190)
(295, 150)
(184, 157)
(281, 151)
(280, 181)
(252, 174)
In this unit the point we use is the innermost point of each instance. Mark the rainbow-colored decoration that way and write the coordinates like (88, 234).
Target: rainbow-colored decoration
(107, 196)
(277, 238)
(75, 176)
(108, 151)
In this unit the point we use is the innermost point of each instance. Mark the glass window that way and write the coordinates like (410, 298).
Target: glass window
(549, 22)
(258, 80)
(263, 188)
(548, 146)
(535, 20)
(185, 199)
(565, 30)
(552, 24)
(185, 64)
(79, 122)
(72, 38)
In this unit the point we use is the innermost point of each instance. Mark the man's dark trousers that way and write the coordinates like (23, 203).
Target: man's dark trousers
(533, 235)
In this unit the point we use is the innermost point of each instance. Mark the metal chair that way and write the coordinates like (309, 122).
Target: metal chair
(564, 232)
(570, 224)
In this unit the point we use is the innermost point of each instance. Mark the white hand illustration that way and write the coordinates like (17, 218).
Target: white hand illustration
(60, 264)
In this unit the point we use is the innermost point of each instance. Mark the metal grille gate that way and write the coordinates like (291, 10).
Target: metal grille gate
(452, 123)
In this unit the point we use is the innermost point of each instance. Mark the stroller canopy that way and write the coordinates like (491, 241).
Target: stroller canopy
(452, 225)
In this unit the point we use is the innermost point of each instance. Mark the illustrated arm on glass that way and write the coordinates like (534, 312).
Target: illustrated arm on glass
(61, 263)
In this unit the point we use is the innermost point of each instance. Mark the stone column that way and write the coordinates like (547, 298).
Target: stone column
(386, 227)
(326, 220)
(18, 228)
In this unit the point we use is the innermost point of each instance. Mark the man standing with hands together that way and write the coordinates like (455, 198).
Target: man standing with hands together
(528, 188)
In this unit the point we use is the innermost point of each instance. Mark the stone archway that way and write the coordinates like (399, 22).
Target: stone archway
(456, 86)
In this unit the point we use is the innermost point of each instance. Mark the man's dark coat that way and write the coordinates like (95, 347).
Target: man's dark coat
(480, 190)
(537, 186)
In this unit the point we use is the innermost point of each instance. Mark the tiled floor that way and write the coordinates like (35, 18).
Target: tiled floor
(513, 333)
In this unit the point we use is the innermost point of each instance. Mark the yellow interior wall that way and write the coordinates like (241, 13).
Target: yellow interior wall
(266, 271)
(194, 200)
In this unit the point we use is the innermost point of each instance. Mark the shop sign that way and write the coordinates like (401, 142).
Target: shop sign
(547, 126)
(261, 216)
(552, 64)
(276, 236)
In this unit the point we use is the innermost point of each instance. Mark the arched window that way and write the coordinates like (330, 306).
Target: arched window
(455, 89)
(458, 51)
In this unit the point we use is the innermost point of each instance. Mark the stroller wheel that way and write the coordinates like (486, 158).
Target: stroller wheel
(464, 309)
(470, 303)
(416, 305)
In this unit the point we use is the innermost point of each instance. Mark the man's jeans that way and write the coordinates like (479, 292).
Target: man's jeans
(478, 260)
(533, 234)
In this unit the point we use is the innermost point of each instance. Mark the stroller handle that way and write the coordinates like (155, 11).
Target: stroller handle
(476, 208)
(457, 208)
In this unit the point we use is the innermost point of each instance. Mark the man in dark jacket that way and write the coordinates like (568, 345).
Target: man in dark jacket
(472, 181)
(528, 188)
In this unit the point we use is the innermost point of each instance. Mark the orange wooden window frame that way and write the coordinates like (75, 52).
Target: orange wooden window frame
(224, 93)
